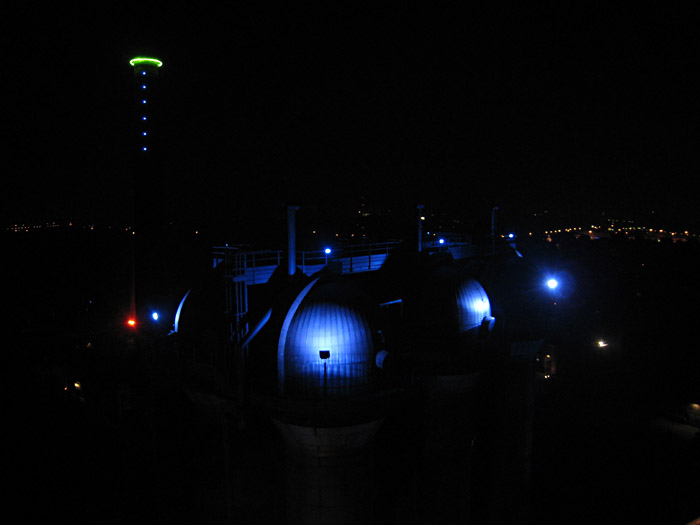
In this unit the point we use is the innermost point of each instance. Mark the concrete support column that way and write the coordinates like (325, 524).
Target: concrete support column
(448, 431)
(328, 473)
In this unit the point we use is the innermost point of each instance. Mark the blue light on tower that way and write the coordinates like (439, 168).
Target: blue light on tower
(146, 73)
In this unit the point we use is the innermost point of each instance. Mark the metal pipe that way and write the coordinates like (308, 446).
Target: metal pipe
(291, 240)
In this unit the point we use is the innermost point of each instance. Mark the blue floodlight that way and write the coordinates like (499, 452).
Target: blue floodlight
(481, 306)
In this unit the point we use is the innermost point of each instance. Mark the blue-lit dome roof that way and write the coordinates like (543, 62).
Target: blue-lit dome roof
(472, 305)
(325, 347)
(452, 303)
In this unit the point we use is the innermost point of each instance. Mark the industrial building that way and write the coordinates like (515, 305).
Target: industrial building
(386, 373)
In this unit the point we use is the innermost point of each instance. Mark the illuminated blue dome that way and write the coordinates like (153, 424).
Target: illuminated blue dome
(452, 303)
(472, 305)
(325, 347)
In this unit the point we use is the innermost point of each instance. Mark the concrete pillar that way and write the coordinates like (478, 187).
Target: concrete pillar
(445, 467)
(328, 473)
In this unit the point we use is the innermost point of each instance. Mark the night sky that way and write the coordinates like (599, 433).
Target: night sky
(585, 110)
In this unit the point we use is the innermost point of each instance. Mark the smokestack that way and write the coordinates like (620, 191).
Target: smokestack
(292, 239)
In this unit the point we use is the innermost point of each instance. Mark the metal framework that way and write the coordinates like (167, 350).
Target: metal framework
(243, 268)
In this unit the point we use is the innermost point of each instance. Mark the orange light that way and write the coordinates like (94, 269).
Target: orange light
(131, 322)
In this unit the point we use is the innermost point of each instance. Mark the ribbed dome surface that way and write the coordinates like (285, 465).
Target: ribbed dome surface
(452, 303)
(472, 305)
(325, 347)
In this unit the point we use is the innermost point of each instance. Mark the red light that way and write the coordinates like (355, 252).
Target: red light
(131, 322)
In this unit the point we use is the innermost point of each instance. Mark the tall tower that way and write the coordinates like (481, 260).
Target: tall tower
(146, 84)
(146, 166)
(145, 170)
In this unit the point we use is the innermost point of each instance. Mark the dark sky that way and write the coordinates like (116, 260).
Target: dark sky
(589, 109)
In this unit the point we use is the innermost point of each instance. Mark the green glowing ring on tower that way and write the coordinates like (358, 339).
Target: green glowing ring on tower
(145, 60)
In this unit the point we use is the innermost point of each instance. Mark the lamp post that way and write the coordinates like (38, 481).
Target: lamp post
(324, 355)
(420, 208)
(493, 229)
